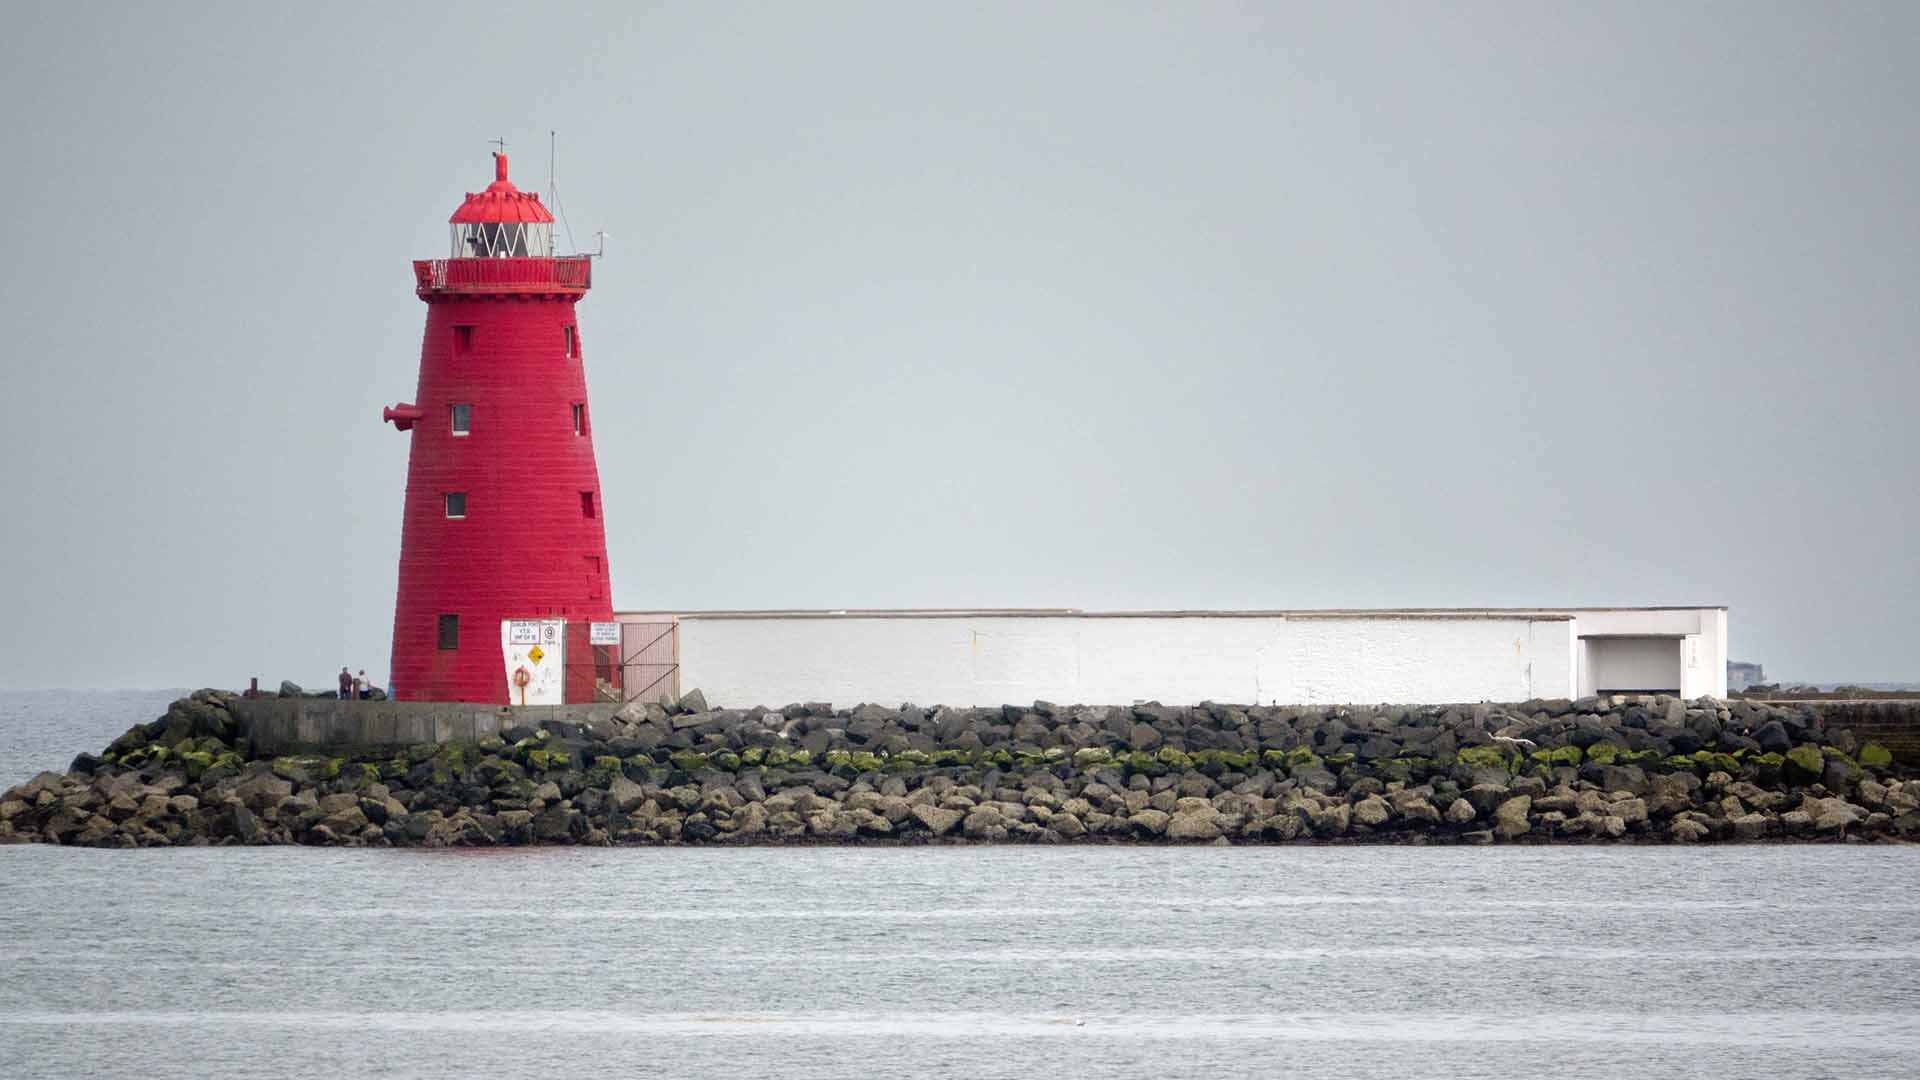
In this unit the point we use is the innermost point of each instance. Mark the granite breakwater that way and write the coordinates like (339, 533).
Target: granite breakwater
(1645, 769)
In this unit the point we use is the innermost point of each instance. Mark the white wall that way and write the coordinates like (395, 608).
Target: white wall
(992, 659)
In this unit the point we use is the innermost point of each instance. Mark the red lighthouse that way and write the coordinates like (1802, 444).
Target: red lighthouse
(502, 517)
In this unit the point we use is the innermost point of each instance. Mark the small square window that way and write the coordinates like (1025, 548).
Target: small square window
(460, 415)
(586, 504)
(449, 631)
(572, 340)
(579, 418)
(456, 504)
(462, 340)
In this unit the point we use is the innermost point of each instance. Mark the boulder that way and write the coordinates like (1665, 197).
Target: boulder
(238, 822)
(1151, 822)
(1459, 811)
(1510, 817)
(1372, 812)
(623, 794)
(1194, 824)
(1686, 830)
(938, 821)
(1329, 820)
(263, 790)
(1835, 816)
(1805, 764)
(981, 823)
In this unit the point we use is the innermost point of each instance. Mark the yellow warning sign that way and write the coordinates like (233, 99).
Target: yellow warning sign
(534, 654)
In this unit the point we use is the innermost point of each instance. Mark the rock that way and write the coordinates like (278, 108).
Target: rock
(1510, 818)
(1459, 811)
(1835, 816)
(1628, 778)
(1805, 763)
(1151, 822)
(939, 822)
(693, 701)
(1143, 737)
(1484, 797)
(238, 822)
(1193, 824)
(1686, 830)
(1328, 820)
(1371, 811)
(1750, 826)
(623, 794)
(1631, 811)
(289, 688)
(556, 824)
(1773, 738)
(1067, 825)
(1415, 807)
(263, 790)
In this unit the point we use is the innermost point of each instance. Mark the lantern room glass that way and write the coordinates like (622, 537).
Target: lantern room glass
(502, 239)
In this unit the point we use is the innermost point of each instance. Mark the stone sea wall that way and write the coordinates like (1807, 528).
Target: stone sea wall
(1646, 769)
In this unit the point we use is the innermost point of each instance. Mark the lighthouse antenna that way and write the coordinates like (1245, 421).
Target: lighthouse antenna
(553, 192)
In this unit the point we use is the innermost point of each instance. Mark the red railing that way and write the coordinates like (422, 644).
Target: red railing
(502, 275)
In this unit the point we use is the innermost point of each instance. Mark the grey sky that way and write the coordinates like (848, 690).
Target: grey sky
(1031, 304)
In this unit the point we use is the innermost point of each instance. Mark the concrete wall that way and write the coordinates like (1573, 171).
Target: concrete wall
(283, 725)
(1703, 652)
(987, 658)
(1636, 663)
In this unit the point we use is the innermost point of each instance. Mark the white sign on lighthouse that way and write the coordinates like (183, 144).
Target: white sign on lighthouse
(535, 655)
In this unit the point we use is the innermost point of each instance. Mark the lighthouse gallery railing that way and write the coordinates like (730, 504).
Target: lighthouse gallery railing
(502, 275)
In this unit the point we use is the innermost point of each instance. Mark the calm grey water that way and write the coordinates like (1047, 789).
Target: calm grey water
(44, 729)
(1337, 962)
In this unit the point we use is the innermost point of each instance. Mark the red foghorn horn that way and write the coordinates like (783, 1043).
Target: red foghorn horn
(402, 416)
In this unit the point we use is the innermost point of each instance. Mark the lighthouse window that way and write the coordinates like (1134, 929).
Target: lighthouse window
(586, 503)
(456, 504)
(449, 631)
(579, 418)
(460, 415)
(573, 343)
(462, 340)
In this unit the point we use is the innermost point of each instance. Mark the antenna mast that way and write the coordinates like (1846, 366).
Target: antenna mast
(553, 191)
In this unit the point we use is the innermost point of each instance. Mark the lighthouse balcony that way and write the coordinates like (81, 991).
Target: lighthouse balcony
(479, 276)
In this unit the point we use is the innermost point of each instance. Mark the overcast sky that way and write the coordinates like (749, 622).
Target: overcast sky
(1090, 305)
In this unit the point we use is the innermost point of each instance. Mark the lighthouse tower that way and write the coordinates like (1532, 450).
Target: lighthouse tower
(503, 509)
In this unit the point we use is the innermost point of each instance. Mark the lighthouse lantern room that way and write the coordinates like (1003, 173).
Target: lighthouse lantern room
(502, 517)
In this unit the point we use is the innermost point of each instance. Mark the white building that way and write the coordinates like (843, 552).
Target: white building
(985, 658)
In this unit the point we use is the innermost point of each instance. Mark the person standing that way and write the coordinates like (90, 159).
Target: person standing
(346, 683)
(362, 689)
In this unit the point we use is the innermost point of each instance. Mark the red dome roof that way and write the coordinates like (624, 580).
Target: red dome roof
(501, 202)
